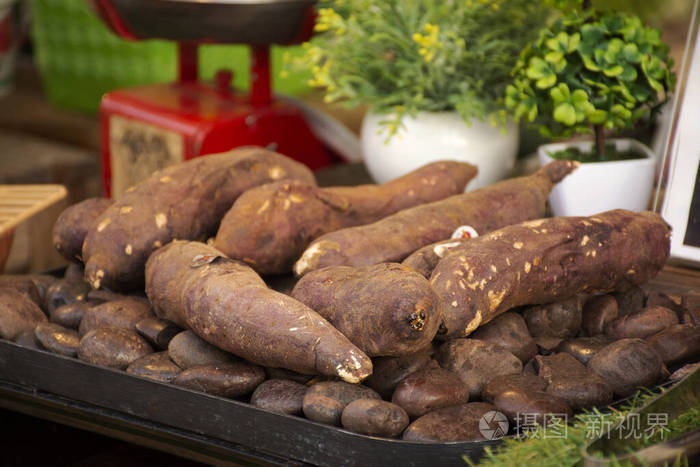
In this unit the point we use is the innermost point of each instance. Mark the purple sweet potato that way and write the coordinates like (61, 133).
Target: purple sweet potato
(57, 339)
(279, 395)
(269, 226)
(570, 380)
(374, 418)
(691, 304)
(71, 314)
(324, 402)
(64, 292)
(18, 314)
(429, 389)
(642, 323)
(397, 236)
(477, 362)
(156, 331)
(561, 319)
(510, 332)
(545, 261)
(227, 304)
(630, 300)
(187, 350)
(73, 224)
(389, 371)
(23, 284)
(456, 423)
(186, 201)
(112, 347)
(424, 260)
(156, 366)
(510, 382)
(385, 309)
(583, 348)
(676, 344)
(119, 313)
(598, 312)
(627, 364)
(228, 380)
(523, 406)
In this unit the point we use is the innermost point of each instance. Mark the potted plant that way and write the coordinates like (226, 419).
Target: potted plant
(432, 73)
(588, 73)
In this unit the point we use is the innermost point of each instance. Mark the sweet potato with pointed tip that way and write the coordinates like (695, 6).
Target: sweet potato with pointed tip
(547, 260)
(73, 224)
(397, 236)
(227, 304)
(269, 226)
(186, 201)
(385, 309)
(424, 260)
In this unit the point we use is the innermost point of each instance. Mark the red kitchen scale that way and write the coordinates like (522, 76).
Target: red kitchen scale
(146, 128)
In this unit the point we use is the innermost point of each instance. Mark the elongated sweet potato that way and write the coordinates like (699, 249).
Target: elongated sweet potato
(424, 259)
(397, 236)
(227, 304)
(186, 201)
(73, 224)
(385, 309)
(269, 226)
(547, 260)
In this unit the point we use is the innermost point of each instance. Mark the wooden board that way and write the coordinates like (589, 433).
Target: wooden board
(20, 202)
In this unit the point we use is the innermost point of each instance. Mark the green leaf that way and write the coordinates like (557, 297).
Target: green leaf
(612, 22)
(599, 55)
(590, 64)
(554, 43)
(579, 96)
(624, 92)
(592, 34)
(546, 82)
(615, 46)
(555, 58)
(657, 86)
(597, 116)
(631, 53)
(628, 73)
(613, 71)
(560, 93)
(620, 111)
(565, 113)
(538, 68)
(574, 41)
(532, 114)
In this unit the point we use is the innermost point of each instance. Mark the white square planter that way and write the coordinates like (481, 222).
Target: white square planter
(601, 186)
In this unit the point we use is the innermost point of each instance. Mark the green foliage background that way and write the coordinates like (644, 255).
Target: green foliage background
(406, 56)
(591, 69)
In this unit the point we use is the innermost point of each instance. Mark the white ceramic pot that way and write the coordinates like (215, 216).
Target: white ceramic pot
(601, 186)
(434, 136)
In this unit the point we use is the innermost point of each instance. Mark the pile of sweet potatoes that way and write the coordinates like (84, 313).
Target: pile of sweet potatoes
(533, 316)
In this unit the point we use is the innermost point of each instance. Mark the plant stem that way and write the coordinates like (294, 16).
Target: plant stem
(599, 139)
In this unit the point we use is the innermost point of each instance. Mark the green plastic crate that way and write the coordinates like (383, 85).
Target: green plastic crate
(80, 59)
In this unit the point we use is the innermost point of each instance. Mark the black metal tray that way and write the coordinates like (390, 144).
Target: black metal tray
(234, 431)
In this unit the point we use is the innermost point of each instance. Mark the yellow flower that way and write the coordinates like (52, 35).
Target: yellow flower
(327, 19)
(429, 43)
